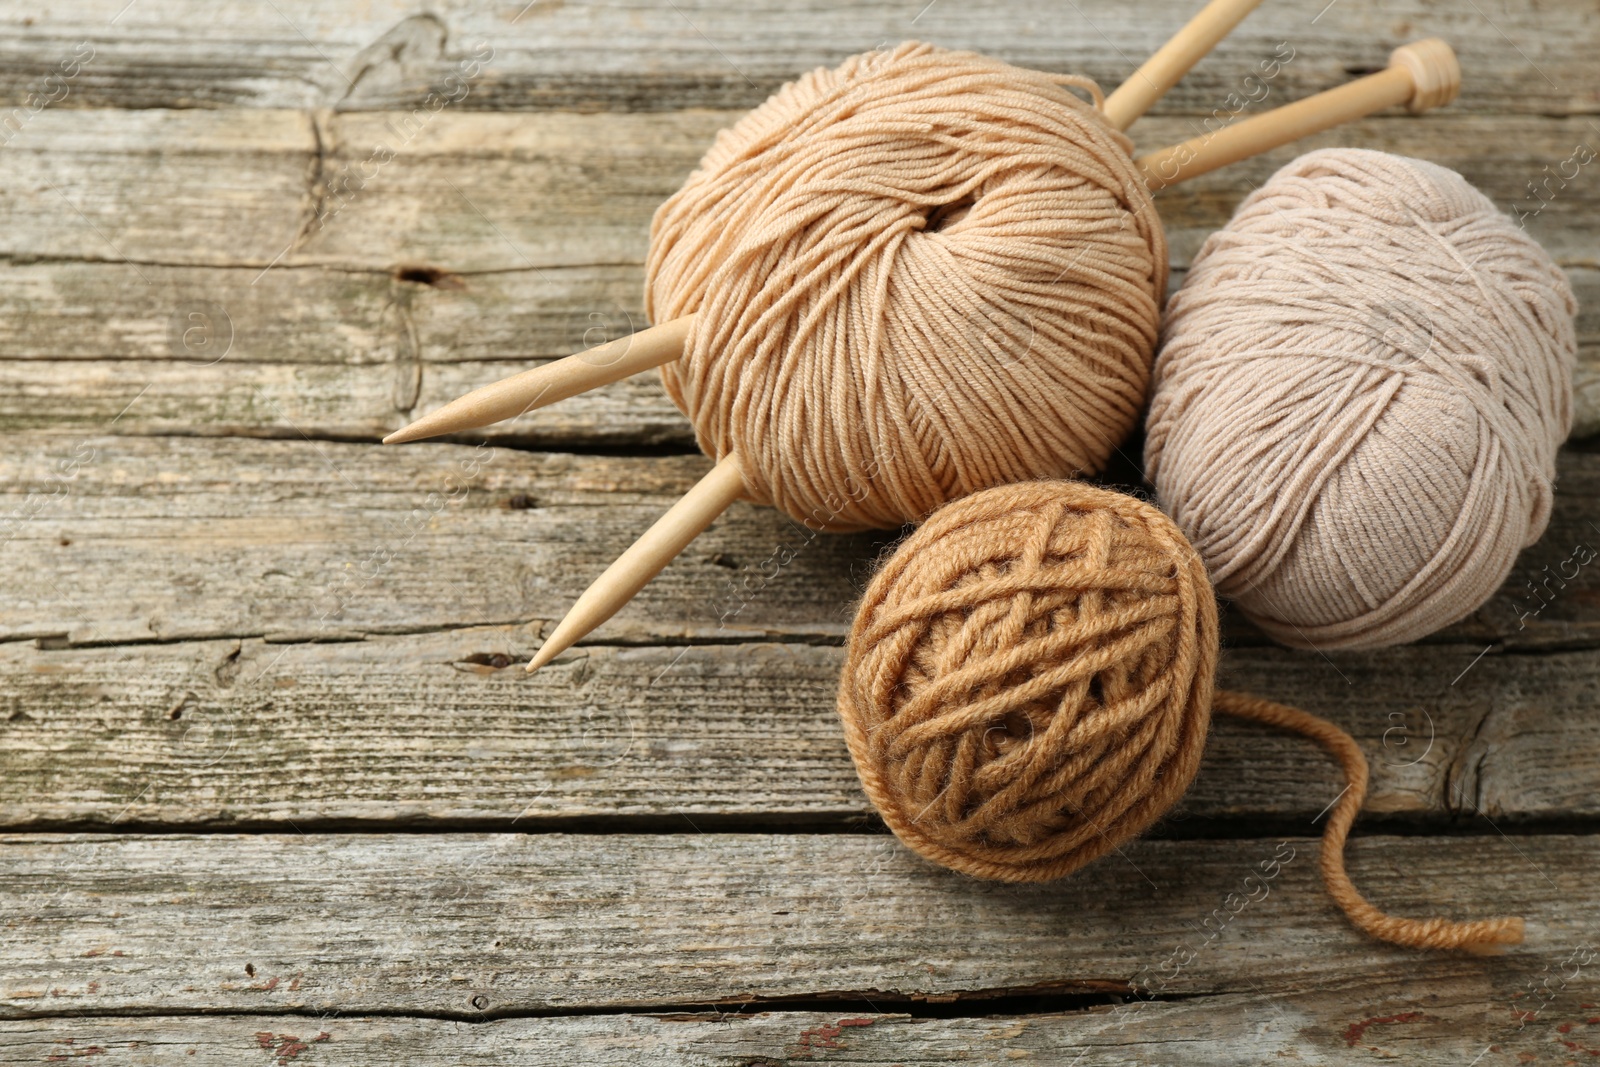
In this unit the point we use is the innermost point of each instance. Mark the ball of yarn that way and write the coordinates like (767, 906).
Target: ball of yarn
(1028, 680)
(914, 276)
(1358, 400)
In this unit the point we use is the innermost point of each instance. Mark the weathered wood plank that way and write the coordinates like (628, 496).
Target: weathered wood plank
(154, 186)
(298, 400)
(712, 53)
(1442, 1020)
(113, 539)
(181, 595)
(360, 354)
(355, 354)
(463, 924)
(260, 188)
(263, 734)
(317, 351)
(554, 207)
(86, 312)
(473, 192)
(230, 537)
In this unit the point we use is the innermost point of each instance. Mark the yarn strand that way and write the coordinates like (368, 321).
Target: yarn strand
(1410, 933)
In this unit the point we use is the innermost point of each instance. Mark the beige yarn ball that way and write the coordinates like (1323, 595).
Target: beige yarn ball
(1358, 400)
(914, 276)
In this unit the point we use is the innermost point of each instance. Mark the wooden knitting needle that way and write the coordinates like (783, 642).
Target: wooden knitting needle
(643, 560)
(1172, 60)
(698, 508)
(522, 393)
(658, 345)
(607, 363)
(1421, 75)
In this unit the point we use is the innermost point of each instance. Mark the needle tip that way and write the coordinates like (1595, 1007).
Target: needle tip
(546, 653)
(447, 419)
(406, 434)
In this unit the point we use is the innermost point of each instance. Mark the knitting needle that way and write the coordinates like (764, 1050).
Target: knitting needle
(1172, 60)
(643, 560)
(1420, 75)
(661, 344)
(604, 364)
(522, 393)
(698, 508)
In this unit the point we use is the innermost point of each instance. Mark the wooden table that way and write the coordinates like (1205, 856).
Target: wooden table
(274, 786)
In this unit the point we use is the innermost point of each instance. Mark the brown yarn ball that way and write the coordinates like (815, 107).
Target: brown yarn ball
(1028, 681)
(914, 276)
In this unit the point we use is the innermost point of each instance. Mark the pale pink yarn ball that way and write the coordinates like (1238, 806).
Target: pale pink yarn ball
(1358, 400)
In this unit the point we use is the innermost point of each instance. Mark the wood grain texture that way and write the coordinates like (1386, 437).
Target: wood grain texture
(165, 247)
(171, 604)
(238, 538)
(446, 730)
(115, 539)
(242, 245)
(469, 192)
(715, 53)
(1437, 1020)
(463, 924)
(362, 352)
